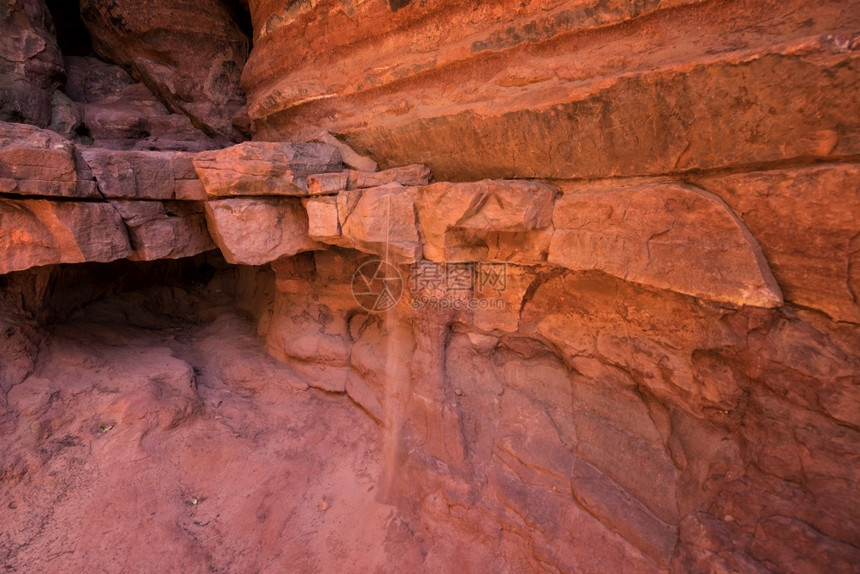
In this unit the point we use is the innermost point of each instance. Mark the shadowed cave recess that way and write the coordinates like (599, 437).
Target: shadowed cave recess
(561, 286)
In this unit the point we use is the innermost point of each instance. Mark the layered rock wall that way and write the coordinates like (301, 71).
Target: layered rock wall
(601, 300)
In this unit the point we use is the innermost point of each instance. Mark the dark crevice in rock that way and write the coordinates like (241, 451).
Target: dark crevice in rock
(73, 37)
(241, 15)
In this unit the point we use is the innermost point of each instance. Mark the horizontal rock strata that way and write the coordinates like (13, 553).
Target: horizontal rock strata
(259, 168)
(553, 89)
(675, 237)
(36, 232)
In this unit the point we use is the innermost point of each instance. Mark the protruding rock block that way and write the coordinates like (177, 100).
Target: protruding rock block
(264, 168)
(327, 183)
(468, 221)
(34, 161)
(806, 220)
(165, 230)
(163, 175)
(669, 236)
(416, 174)
(37, 232)
(331, 183)
(350, 157)
(323, 221)
(255, 231)
(381, 220)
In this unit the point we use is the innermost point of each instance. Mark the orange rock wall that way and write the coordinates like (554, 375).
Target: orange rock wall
(595, 424)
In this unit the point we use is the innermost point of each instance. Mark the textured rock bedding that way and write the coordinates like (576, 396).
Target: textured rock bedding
(378, 286)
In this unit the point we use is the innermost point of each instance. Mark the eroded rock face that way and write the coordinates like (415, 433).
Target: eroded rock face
(189, 53)
(31, 67)
(604, 411)
(116, 112)
(41, 232)
(37, 162)
(553, 89)
(669, 236)
(40, 163)
(254, 231)
(258, 168)
(806, 222)
(619, 332)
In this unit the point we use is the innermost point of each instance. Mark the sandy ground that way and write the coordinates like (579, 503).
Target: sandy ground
(157, 435)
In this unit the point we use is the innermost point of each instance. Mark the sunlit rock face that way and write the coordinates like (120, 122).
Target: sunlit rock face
(566, 89)
(554, 286)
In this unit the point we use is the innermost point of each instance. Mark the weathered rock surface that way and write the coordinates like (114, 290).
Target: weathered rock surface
(37, 162)
(40, 232)
(381, 220)
(91, 81)
(118, 113)
(611, 410)
(165, 230)
(586, 368)
(669, 236)
(255, 231)
(470, 221)
(806, 220)
(31, 67)
(332, 183)
(161, 175)
(328, 183)
(553, 89)
(188, 53)
(409, 175)
(259, 168)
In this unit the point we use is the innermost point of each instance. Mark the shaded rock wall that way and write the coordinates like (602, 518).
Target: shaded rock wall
(31, 65)
(188, 53)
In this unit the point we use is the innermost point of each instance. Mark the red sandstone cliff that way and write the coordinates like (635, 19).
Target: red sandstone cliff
(615, 326)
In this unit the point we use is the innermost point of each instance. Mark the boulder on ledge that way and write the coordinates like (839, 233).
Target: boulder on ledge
(264, 168)
(669, 236)
(255, 231)
(40, 162)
